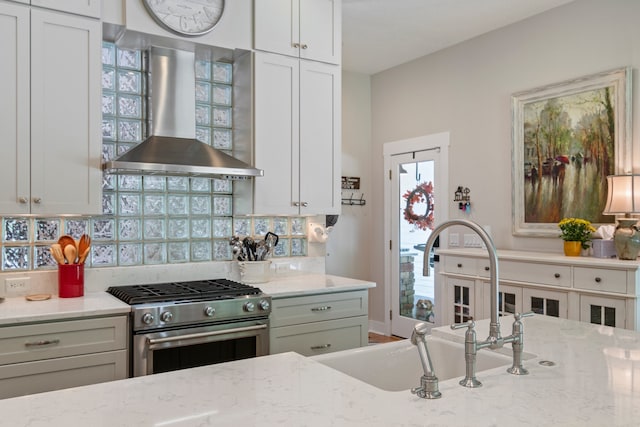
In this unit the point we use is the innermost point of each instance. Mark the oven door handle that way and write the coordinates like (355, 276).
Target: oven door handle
(152, 342)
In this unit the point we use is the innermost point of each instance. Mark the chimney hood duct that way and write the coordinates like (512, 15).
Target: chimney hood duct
(172, 148)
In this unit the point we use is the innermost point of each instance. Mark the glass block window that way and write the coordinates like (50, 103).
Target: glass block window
(150, 220)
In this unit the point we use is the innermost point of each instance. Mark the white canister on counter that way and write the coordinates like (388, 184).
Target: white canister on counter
(255, 271)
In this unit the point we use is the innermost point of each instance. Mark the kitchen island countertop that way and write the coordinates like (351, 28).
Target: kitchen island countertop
(307, 284)
(591, 383)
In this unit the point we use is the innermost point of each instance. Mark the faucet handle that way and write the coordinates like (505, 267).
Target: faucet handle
(468, 324)
(519, 316)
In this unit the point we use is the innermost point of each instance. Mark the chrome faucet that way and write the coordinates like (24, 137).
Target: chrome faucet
(495, 339)
(428, 388)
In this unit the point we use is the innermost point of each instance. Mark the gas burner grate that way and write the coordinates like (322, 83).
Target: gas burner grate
(180, 291)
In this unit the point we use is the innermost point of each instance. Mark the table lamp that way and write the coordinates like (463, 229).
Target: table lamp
(623, 197)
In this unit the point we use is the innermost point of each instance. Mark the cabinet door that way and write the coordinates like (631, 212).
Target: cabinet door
(545, 302)
(276, 133)
(276, 26)
(461, 305)
(319, 151)
(602, 311)
(80, 7)
(320, 30)
(65, 114)
(14, 108)
(309, 29)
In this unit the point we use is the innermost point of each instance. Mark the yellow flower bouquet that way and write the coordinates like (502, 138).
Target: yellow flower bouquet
(576, 230)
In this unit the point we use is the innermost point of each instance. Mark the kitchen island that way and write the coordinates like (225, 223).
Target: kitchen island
(591, 383)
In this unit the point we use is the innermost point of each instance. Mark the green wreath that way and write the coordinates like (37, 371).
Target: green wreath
(423, 193)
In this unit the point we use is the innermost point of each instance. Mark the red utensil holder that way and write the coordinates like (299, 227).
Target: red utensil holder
(70, 280)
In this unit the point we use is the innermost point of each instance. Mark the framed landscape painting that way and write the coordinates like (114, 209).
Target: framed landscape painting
(567, 138)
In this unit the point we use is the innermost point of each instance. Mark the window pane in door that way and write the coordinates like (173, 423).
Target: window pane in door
(537, 305)
(595, 313)
(416, 219)
(553, 308)
(610, 316)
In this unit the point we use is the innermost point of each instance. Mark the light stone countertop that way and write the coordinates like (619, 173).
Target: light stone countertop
(308, 284)
(591, 384)
(17, 310)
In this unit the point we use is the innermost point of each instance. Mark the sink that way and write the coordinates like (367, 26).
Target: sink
(396, 366)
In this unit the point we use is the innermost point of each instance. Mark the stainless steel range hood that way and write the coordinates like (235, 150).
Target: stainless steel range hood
(172, 148)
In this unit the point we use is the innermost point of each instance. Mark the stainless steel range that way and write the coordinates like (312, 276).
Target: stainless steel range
(188, 324)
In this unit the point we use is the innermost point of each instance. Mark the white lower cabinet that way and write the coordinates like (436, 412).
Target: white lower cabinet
(56, 355)
(317, 324)
(594, 290)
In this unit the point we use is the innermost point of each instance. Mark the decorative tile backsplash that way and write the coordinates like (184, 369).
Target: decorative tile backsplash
(152, 219)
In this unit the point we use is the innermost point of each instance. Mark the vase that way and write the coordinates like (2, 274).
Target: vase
(572, 248)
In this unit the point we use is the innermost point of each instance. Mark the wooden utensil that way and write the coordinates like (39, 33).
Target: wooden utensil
(56, 253)
(83, 244)
(65, 241)
(70, 253)
(83, 256)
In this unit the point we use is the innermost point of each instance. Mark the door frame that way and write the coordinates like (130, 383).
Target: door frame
(422, 143)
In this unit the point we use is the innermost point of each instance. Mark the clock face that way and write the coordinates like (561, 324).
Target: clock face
(186, 17)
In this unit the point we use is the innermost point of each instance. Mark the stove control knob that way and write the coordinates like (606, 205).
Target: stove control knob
(264, 305)
(167, 316)
(209, 311)
(249, 306)
(147, 318)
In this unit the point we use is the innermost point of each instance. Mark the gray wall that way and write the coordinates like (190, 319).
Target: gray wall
(466, 91)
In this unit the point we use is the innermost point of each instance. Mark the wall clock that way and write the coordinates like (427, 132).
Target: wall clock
(186, 17)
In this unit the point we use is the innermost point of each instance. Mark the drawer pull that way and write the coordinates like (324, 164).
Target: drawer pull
(598, 280)
(41, 343)
(323, 308)
(557, 275)
(487, 268)
(320, 347)
(459, 265)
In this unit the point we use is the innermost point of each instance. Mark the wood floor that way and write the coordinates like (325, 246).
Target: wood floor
(377, 339)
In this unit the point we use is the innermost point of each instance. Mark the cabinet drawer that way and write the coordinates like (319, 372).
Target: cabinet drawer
(296, 310)
(546, 274)
(600, 279)
(461, 265)
(45, 375)
(58, 339)
(321, 337)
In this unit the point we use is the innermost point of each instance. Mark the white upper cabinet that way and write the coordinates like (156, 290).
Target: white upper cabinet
(14, 108)
(308, 29)
(297, 136)
(51, 112)
(79, 7)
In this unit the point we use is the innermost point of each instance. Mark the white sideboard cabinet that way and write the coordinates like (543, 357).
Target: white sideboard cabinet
(588, 289)
(49, 112)
(308, 29)
(321, 323)
(296, 136)
(49, 356)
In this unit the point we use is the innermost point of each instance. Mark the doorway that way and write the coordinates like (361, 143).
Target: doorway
(416, 201)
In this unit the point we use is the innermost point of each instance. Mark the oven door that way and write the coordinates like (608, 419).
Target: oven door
(169, 350)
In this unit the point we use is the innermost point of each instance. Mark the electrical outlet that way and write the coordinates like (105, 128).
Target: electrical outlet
(454, 240)
(16, 286)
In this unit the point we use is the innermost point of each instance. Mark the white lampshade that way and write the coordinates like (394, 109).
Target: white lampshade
(623, 196)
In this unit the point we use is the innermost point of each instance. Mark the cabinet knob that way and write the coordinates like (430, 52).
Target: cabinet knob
(459, 265)
(486, 268)
(23, 200)
(304, 46)
(557, 275)
(304, 204)
(598, 280)
(296, 45)
(296, 204)
(37, 200)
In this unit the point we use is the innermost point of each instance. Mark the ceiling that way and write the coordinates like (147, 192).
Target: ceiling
(380, 34)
